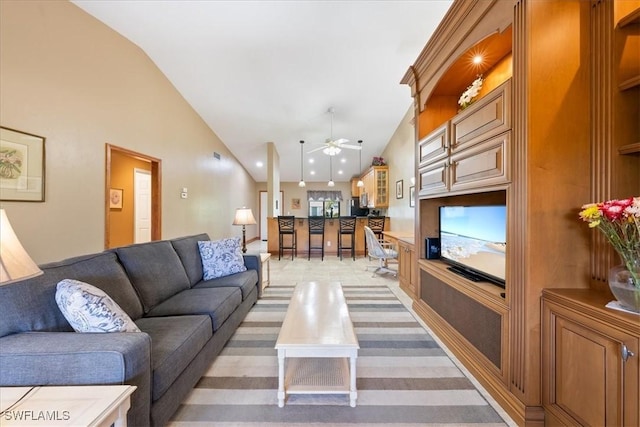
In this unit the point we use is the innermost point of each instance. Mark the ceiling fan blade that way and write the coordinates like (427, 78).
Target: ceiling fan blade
(340, 141)
(351, 147)
(316, 149)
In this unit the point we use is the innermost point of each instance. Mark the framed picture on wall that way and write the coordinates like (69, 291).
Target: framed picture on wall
(115, 198)
(399, 189)
(21, 166)
(412, 196)
(295, 203)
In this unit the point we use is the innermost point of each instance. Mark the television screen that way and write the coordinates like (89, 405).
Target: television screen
(473, 240)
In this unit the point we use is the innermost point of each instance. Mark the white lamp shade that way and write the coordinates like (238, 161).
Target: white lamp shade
(15, 263)
(244, 216)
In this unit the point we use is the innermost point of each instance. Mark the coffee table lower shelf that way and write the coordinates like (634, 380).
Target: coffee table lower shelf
(317, 376)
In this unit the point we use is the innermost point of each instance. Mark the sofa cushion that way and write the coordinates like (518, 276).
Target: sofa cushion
(189, 254)
(221, 257)
(155, 271)
(217, 303)
(30, 305)
(245, 281)
(176, 341)
(89, 309)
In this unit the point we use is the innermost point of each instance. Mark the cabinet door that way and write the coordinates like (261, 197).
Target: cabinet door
(433, 179)
(482, 165)
(434, 146)
(382, 188)
(587, 382)
(489, 117)
(407, 269)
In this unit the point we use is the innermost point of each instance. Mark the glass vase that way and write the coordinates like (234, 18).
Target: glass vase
(622, 282)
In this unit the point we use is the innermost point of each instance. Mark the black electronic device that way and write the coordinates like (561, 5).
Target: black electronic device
(432, 248)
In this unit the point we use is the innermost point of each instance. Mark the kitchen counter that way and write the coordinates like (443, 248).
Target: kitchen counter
(330, 235)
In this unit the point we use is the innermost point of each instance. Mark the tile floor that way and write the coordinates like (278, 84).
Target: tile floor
(350, 272)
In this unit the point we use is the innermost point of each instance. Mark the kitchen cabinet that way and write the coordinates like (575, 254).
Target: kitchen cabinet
(376, 186)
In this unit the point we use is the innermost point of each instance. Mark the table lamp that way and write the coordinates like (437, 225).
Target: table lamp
(244, 217)
(15, 263)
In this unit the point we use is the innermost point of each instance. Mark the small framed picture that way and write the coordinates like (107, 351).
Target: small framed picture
(399, 190)
(412, 196)
(295, 203)
(22, 163)
(115, 198)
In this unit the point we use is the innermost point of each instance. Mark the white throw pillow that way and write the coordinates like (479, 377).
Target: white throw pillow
(90, 309)
(221, 257)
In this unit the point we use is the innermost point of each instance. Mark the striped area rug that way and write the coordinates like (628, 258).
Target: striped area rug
(403, 377)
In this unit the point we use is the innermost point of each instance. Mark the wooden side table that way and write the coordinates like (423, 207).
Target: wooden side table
(99, 406)
(266, 278)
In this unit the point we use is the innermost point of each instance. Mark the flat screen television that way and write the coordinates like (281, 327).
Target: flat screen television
(473, 241)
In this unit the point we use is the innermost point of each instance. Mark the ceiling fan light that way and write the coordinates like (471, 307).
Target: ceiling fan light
(331, 150)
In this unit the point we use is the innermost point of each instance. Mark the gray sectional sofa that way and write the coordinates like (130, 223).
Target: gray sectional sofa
(185, 323)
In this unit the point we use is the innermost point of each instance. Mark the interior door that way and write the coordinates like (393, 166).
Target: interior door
(142, 205)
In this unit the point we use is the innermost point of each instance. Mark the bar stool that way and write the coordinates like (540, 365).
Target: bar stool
(347, 227)
(316, 228)
(287, 227)
(376, 224)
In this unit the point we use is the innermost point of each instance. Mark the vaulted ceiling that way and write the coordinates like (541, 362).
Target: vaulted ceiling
(268, 71)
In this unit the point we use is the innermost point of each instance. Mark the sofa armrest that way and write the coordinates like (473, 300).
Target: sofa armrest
(252, 262)
(70, 358)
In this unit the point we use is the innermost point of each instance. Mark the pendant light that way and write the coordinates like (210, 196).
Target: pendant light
(301, 183)
(360, 183)
(331, 183)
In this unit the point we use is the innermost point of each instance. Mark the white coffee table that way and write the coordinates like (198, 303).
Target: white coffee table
(99, 406)
(318, 334)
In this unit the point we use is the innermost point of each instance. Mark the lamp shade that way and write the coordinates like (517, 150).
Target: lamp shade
(15, 263)
(244, 216)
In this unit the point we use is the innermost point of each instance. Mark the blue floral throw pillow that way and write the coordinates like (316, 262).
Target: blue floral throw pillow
(221, 258)
(89, 309)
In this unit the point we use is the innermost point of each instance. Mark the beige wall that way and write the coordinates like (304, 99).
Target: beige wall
(66, 76)
(399, 155)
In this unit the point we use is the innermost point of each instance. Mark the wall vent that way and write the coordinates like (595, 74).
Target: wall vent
(216, 155)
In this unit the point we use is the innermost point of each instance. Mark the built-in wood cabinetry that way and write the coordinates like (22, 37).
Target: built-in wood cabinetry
(469, 151)
(591, 360)
(376, 186)
(407, 268)
(553, 128)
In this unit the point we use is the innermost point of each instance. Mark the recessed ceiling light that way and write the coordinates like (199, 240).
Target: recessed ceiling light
(259, 164)
(339, 172)
(312, 173)
(477, 59)
(343, 160)
(311, 160)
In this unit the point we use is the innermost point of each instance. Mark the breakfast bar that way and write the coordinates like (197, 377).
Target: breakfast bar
(330, 235)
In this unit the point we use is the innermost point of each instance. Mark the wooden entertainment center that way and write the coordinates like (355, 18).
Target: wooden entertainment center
(554, 127)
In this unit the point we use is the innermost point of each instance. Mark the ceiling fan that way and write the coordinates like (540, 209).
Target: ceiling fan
(332, 146)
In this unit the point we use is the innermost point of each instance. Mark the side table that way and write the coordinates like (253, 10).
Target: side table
(266, 278)
(99, 406)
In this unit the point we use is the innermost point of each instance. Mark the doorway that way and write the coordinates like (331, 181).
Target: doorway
(138, 217)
